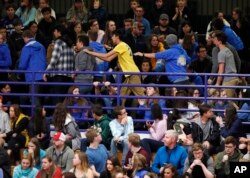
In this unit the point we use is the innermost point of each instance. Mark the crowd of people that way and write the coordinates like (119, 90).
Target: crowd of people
(187, 137)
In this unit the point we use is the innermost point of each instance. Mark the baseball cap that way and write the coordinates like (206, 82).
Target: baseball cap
(59, 136)
(171, 40)
(164, 17)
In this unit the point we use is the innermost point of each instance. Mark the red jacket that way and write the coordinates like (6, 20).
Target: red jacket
(57, 173)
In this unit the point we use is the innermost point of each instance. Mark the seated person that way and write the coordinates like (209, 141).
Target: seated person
(223, 159)
(198, 163)
(121, 127)
(171, 152)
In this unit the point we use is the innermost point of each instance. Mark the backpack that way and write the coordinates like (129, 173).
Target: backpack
(197, 133)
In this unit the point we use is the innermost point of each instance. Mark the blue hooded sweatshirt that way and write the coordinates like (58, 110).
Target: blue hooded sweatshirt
(5, 58)
(176, 60)
(33, 58)
(233, 38)
(100, 64)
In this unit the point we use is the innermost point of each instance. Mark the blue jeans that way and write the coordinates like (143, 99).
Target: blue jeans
(123, 145)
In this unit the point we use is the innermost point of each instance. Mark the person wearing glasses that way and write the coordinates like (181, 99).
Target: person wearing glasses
(120, 128)
(228, 155)
(198, 163)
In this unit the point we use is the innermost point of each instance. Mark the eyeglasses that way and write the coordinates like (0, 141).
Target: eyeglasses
(125, 112)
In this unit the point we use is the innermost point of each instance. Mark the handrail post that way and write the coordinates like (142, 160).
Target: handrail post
(118, 98)
(33, 92)
(205, 89)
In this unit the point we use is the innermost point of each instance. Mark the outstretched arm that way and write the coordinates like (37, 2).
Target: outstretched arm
(105, 57)
(148, 55)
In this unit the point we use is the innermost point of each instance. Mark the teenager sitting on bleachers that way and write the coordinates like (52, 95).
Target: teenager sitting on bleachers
(25, 169)
(111, 164)
(64, 122)
(79, 114)
(156, 130)
(35, 151)
(17, 137)
(39, 127)
(134, 148)
(120, 127)
(244, 105)
(147, 103)
(198, 163)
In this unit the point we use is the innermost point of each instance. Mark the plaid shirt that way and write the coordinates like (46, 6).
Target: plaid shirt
(62, 59)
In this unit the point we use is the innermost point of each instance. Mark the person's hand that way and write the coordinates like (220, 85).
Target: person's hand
(161, 169)
(124, 121)
(107, 83)
(86, 51)
(197, 162)
(31, 151)
(176, 10)
(68, 137)
(148, 124)
(225, 158)
(96, 84)
(206, 144)
(138, 54)
(128, 167)
(141, 101)
(45, 77)
(243, 140)
(219, 120)
(209, 82)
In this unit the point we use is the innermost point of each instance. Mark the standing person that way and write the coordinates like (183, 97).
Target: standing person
(198, 163)
(60, 153)
(49, 169)
(33, 58)
(84, 63)
(126, 62)
(121, 127)
(62, 60)
(171, 152)
(97, 153)
(139, 17)
(5, 59)
(223, 159)
(175, 59)
(81, 166)
(226, 62)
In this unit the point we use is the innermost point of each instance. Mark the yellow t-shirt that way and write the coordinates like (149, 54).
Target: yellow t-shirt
(125, 58)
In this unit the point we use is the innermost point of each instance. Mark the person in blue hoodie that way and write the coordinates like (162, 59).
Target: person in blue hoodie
(5, 59)
(175, 59)
(32, 58)
(232, 37)
(101, 66)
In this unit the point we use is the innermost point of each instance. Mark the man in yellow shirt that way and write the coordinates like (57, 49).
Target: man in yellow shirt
(125, 62)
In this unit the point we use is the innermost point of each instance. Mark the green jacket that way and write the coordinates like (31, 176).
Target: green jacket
(224, 168)
(103, 125)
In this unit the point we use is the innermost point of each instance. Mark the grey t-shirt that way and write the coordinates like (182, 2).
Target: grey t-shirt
(226, 56)
(205, 127)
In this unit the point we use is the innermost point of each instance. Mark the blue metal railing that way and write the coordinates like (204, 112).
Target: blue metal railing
(118, 84)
